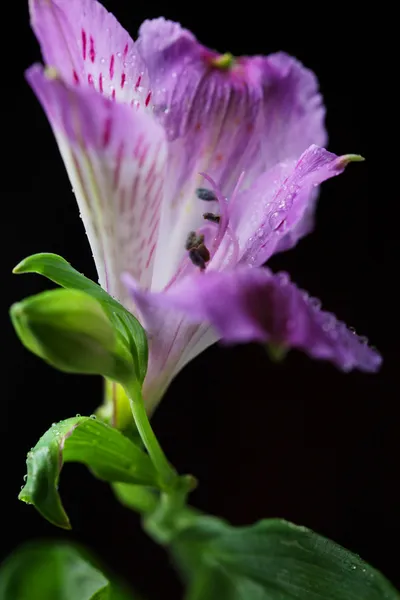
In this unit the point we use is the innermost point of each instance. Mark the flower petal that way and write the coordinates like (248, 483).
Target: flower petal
(223, 120)
(115, 158)
(173, 340)
(87, 46)
(277, 209)
(252, 304)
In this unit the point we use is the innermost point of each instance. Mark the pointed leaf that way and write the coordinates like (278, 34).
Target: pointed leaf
(55, 571)
(273, 560)
(108, 454)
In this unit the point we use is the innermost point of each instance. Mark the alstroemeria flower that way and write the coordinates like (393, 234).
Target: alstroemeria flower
(141, 127)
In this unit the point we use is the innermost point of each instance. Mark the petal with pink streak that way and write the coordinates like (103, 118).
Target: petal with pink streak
(115, 158)
(222, 120)
(88, 47)
(246, 117)
(252, 304)
(173, 340)
(276, 210)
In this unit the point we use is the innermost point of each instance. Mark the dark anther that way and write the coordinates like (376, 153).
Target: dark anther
(193, 240)
(197, 258)
(211, 217)
(198, 252)
(205, 194)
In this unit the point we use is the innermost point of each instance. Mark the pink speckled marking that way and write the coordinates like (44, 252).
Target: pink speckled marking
(143, 155)
(148, 98)
(75, 76)
(136, 150)
(90, 79)
(107, 132)
(126, 50)
(112, 66)
(150, 173)
(139, 79)
(84, 44)
(123, 79)
(113, 94)
(101, 82)
(92, 52)
(117, 170)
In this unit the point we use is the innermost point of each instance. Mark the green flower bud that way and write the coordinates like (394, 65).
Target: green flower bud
(70, 330)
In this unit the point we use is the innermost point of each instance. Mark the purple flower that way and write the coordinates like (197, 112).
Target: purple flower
(189, 168)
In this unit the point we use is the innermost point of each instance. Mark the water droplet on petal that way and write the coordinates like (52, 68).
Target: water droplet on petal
(363, 340)
(277, 219)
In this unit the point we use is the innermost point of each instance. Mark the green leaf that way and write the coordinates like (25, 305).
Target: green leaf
(55, 571)
(272, 560)
(71, 331)
(58, 270)
(108, 453)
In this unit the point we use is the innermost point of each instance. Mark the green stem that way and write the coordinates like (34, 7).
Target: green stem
(167, 473)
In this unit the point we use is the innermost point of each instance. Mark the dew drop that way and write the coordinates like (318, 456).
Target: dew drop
(363, 340)
(77, 415)
(93, 417)
(25, 477)
(277, 219)
(260, 233)
(353, 330)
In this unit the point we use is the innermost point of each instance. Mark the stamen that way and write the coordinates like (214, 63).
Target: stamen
(205, 194)
(198, 252)
(211, 217)
(199, 257)
(193, 240)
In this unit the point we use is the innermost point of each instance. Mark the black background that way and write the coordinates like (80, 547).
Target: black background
(300, 441)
